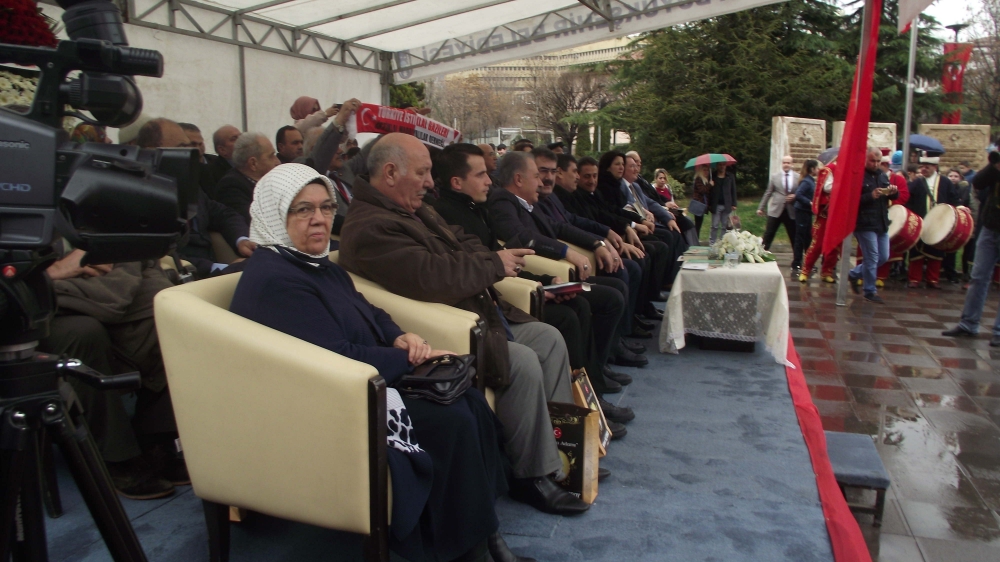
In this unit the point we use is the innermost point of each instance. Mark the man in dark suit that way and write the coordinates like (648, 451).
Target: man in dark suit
(459, 171)
(512, 208)
(253, 156)
(219, 164)
(644, 185)
(289, 142)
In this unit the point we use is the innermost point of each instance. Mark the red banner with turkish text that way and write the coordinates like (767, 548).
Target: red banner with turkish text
(956, 58)
(380, 119)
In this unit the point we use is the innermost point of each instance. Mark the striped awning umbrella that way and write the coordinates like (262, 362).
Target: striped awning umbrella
(709, 159)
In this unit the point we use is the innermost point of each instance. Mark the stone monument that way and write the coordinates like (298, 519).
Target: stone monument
(961, 142)
(880, 135)
(802, 138)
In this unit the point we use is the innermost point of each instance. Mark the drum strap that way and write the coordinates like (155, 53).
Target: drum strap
(932, 187)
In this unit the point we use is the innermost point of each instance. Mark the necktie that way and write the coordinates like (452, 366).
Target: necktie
(342, 190)
(786, 183)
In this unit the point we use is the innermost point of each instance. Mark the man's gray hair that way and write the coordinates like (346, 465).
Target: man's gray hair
(510, 165)
(632, 154)
(247, 146)
(384, 152)
(872, 149)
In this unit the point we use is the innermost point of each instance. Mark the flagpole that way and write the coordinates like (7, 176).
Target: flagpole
(845, 248)
(911, 70)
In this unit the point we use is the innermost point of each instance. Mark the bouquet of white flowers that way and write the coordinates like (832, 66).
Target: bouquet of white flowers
(749, 247)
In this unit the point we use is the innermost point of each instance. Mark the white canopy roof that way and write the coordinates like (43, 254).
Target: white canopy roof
(424, 37)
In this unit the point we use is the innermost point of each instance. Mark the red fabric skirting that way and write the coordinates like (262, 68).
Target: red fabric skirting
(845, 536)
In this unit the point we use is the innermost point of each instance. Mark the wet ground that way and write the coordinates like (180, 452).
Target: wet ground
(932, 404)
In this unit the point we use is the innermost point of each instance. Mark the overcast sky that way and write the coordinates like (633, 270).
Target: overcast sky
(952, 11)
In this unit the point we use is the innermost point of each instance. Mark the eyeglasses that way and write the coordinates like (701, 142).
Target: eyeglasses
(307, 210)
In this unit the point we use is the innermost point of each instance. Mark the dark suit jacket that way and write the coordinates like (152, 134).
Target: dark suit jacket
(235, 191)
(458, 209)
(212, 172)
(510, 220)
(650, 191)
(556, 212)
(212, 216)
(593, 207)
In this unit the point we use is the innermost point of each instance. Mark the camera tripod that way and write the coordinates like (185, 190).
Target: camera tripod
(29, 404)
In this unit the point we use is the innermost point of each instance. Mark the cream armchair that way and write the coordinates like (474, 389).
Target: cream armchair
(274, 424)
(558, 268)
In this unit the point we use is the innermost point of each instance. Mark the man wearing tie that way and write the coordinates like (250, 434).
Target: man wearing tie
(778, 200)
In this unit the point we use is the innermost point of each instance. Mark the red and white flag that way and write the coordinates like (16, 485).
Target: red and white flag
(846, 195)
(910, 9)
(380, 119)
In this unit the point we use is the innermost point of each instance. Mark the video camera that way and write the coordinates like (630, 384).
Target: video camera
(119, 203)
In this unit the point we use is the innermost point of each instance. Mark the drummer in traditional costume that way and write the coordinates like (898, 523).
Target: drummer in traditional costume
(937, 190)
(820, 205)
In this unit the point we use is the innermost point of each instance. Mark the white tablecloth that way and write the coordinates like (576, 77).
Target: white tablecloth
(746, 303)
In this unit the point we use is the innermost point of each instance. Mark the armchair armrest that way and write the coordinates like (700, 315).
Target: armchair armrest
(586, 253)
(224, 253)
(522, 293)
(544, 266)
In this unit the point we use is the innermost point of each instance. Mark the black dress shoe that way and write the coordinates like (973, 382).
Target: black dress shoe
(634, 347)
(620, 414)
(611, 386)
(636, 321)
(602, 474)
(618, 430)
(958, 332)
(639, 334)
(620, 378)
(626, 358)
(545, 495)
(853, 282)
(652, 313)
(995, 341)
(499, 551)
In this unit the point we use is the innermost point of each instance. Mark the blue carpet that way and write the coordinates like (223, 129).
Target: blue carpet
(713, 468)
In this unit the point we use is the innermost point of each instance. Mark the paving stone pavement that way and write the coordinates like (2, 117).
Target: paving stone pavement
(931, 403)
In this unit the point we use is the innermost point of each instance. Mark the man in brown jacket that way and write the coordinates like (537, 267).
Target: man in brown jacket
(390, 238)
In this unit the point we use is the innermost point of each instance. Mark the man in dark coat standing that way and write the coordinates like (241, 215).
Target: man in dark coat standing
(872, 225)
(390, 237)
(987, 185)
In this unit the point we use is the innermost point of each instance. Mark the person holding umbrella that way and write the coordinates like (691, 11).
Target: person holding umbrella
(700, 191)
(722, 200)
(719, 199)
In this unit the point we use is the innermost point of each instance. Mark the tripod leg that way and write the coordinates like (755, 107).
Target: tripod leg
(217, 520)
(50, 484)
(21, 513)
(94, 482)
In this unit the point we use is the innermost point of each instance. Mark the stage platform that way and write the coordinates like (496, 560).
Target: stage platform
(714, 467)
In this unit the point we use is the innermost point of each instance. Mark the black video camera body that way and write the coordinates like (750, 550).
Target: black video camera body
(119, 203)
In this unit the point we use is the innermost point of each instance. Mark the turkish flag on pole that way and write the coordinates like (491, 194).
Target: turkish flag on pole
(910, 9)
(846, 195)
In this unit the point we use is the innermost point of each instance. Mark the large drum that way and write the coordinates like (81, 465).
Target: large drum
(904, 229)
(947, 228)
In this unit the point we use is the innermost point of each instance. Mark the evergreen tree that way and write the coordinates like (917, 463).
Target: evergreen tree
(714, 85)
(583, 145)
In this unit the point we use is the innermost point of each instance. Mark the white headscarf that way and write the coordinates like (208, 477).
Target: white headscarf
(273, 196)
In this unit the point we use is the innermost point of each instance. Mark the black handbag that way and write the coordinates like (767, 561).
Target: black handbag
(441, 379)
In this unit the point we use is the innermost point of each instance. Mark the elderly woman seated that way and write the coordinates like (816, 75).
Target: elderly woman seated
(446, 463)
